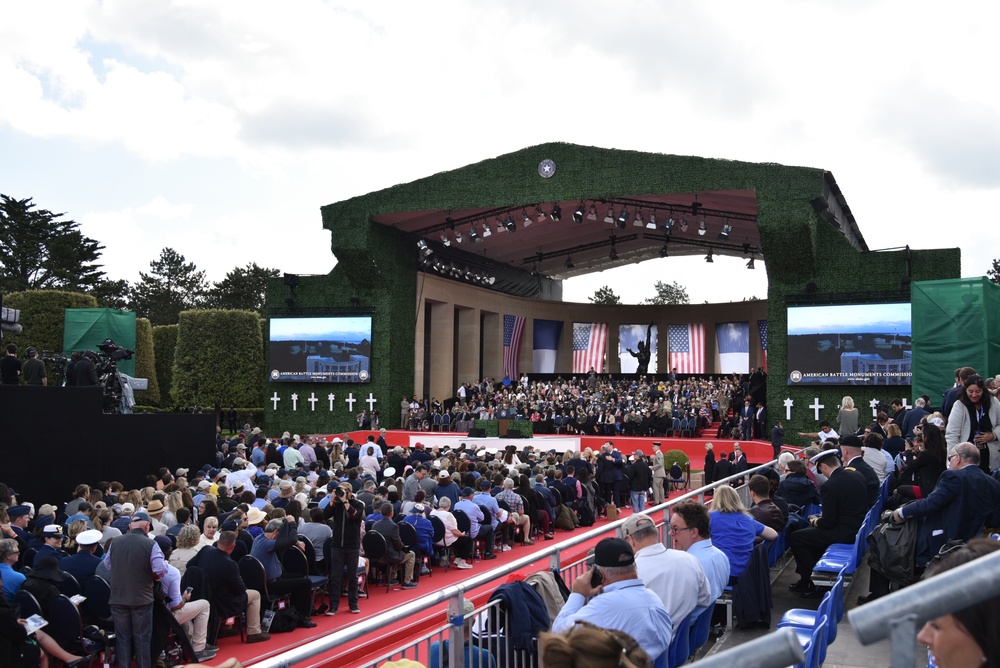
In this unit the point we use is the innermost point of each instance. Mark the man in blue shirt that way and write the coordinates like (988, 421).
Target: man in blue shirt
(12, 580)
(480, 527)
(279, 535)
(620, 602)
(690, 529)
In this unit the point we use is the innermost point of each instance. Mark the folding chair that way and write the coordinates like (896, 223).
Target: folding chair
(255, 577)
(377, 553)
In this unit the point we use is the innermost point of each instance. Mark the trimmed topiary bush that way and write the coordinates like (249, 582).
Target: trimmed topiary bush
(218, 359)
(671, 457)
(145, 362)
(165, 347)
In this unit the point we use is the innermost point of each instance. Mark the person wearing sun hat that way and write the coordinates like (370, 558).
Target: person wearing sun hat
(624, 604)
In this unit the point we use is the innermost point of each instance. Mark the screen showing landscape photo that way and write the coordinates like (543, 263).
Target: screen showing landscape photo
(321, 350)
(855, 344)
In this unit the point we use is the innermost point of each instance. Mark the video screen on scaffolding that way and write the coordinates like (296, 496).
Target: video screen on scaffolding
(329, 349)
(850, 344)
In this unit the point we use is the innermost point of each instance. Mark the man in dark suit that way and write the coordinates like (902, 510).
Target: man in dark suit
(83, 564)
(964, 501)
(230, 595)
(951, 396)
(777, 438)
(723, 468)
(913, 418)
(851, 451)
(760, 421)
(844, 508)
(746, 420)
(395, 552)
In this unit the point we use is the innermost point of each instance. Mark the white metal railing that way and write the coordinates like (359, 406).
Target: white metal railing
(454, 595)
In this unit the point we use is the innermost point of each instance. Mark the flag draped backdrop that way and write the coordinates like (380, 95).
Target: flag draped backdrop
(762, 327)
(546, 335)
(589, 342)
(513, 329)
(687, 347)
(733, 339)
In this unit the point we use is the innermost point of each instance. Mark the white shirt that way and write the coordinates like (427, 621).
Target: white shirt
(676, 577)
(825, 435)
(450, 525)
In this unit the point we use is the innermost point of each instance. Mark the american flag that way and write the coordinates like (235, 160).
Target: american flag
(687, 348)
(762, 327)
(589, 341)
(513, 328)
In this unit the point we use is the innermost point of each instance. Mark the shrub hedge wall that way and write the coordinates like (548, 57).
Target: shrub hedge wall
(145, 362)
(165, 348)
(42, 317)
(217, 359)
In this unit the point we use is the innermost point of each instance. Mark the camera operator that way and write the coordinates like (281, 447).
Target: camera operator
(34, 369)
(344, 514)
(85, 371)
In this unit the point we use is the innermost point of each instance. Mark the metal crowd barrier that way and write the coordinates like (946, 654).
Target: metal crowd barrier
(454, 595)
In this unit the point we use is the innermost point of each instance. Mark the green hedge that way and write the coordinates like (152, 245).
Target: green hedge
(165, 348)
(671, 457)
(43, 313)
(217, 359)
(145, 362)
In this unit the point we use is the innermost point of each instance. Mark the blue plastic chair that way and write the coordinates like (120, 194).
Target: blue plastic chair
(806, 620)
(813, 641)
(700, 629)
(680, 644)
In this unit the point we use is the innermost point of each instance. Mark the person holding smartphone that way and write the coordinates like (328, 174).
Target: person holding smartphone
(344, 515)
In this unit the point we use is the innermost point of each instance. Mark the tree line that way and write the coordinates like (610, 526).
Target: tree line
(42, 250)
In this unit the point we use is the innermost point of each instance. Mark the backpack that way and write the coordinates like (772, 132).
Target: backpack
(892, 548)
(586, 516)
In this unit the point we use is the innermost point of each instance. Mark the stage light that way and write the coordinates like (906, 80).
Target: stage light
(609, 217)
(556, 214)
(726, 229)
(669, 225)
(663, 251)
(525, 218)
(509, 224)
(623, 216)
(638, 218)
(708, 258)
(472, 233)
(750, 264)
(593, 213)
(578, 214)
(491, 280)
(569, 262)
(458, 236)
(422, 246)
(539, 214)
(651, 225)
(702, 228)
(684, 225)
(486, 230)
(445, 240)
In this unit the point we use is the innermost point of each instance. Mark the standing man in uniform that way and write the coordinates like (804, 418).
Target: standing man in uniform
(845, 502)
(659, 474)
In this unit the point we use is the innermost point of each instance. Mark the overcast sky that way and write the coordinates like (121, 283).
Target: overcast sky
(220, 128)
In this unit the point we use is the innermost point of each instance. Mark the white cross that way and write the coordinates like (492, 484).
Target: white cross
(816, 406)
(788, 408)
(906, 404)
(874, 406)
(330, 397)
(350, 402)
(371, 401)
(274, 400)
(295, 402)
(312, 401)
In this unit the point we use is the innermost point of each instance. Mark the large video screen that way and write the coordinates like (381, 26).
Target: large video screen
(334, 349)
(855, 344)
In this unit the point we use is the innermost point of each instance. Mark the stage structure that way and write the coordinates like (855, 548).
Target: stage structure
(456, 271)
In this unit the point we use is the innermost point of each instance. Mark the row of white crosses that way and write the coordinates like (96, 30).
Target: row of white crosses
(816, 406)
(313, 399)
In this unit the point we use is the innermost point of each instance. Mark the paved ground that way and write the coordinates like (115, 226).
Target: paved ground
(845, 652)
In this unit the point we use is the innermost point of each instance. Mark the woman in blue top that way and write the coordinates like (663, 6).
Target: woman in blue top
(734, 530)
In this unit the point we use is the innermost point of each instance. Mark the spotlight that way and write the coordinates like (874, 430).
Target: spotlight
(458, 236)
(556, 214)
(638, 218)
(445, 240)
(486, 230)
(525, 218)
(708, 258)
(578, 214)
(569, 262)
(669, 225)
(539, 214)
(491, 280)
(425, 251)
(663, 251)
(651, 225)
(610, 216)
(702, 229)
(623, 216)
(509, 224)
(472, 233)
(684, 225)
(750, 264)
(726, 229)
(593, 213)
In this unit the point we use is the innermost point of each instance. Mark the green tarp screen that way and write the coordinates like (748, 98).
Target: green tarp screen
(87, 327)
(955, 323)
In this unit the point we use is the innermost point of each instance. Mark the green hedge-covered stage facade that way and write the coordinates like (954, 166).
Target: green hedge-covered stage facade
(376, 267)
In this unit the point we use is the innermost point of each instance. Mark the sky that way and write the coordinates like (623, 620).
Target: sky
(850, 318)
(220, 128)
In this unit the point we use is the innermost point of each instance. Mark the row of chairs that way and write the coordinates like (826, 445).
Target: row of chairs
(844, 558)
(817, 629)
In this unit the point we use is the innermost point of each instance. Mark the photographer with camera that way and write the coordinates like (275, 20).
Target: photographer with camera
(85, 370)
(344, 515)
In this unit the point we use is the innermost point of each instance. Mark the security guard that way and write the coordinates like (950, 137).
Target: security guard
(845, 502)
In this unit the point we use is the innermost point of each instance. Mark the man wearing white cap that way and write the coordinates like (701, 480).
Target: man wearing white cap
(83, 564)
